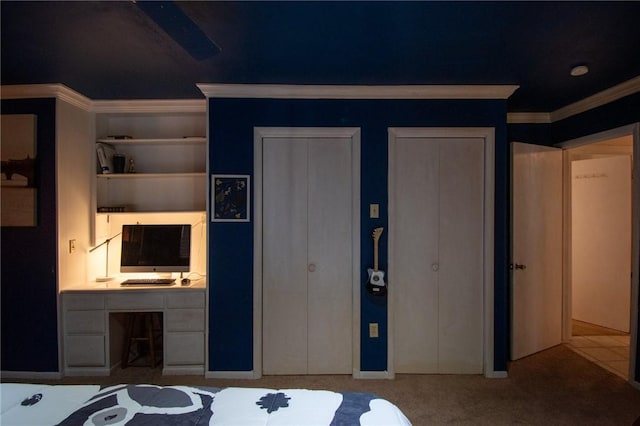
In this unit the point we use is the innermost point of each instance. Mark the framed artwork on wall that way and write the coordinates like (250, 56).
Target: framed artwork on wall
(18, 155)
(231, 198)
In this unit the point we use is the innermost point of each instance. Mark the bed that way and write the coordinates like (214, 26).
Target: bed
(142, 404)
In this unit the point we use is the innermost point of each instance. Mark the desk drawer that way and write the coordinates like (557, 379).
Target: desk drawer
(83, 301)
(184, 349)
(85, 351)
(129, 300)
(184, 319)
(185, 299)
(84, 322)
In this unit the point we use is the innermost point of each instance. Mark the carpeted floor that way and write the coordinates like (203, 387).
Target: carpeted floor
(554, 387)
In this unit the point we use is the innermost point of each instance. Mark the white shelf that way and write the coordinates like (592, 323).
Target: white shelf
(155, 141)
(148, 175)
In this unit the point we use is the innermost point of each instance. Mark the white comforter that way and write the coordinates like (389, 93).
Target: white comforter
(26, 404)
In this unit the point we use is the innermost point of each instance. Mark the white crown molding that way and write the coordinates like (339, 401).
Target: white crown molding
(150, 106)
(58, 91)
(283, 91)
(528, 117)
(614, 93)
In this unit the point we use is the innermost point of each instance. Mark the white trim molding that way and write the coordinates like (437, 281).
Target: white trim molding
(234, 375)
(373, 375)
(150, 106)
(528, 118)
(62, 92)
(58, 91)
(284, 91)
(612, 94)
(34, 375)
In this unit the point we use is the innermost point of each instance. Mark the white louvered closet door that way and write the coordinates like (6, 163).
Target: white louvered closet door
(307, 256)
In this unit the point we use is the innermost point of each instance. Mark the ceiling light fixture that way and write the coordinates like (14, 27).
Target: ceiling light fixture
(579, 70)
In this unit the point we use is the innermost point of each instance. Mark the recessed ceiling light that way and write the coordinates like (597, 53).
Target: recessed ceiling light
(579, 70)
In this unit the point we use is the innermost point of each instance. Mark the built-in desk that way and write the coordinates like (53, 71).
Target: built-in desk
(93, 326)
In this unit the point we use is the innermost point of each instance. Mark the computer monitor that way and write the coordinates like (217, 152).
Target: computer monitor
(155, 248)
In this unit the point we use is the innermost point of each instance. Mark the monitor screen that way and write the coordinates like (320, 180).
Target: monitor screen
(155, 248)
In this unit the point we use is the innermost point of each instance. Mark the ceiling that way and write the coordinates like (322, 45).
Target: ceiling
(114, 50)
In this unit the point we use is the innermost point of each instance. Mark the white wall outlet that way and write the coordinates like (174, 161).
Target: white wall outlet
(374, 211)
(373, 329)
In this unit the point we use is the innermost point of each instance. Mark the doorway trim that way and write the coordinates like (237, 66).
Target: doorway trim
(629, 130)
(259, 134)
(488, 136)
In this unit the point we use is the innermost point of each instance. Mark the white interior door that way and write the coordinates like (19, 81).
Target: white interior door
(438, 211)
(536, 249)
(307, 255)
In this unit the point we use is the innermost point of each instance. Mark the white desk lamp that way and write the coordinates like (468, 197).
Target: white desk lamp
(106, 276)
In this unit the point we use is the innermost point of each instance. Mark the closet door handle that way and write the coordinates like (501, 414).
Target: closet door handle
(311, 267)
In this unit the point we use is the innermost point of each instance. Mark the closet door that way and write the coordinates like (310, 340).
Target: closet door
(438, 186)
(284, 258)
(461, 272)
(415, 279)
(330, 307)
(307, 256)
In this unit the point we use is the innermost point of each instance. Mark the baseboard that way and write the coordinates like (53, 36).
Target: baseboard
(83, 372)
(186, 371)
(37, 375)
(496, 375)
(242, 375)
(373, 375)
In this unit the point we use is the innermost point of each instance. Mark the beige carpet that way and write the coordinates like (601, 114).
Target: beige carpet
(554, 387)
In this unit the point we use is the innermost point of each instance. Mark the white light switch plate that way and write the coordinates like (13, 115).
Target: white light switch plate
(374, 211)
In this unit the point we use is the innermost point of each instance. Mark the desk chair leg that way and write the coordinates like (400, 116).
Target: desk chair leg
(152, 350)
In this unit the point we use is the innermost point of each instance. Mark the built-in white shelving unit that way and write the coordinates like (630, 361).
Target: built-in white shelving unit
(167, 142)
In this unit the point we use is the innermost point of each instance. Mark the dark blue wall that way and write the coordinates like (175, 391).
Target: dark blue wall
(231, 244)
(537, 134)
(29, 294)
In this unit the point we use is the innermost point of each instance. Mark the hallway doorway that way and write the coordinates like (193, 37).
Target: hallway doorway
(589, 326)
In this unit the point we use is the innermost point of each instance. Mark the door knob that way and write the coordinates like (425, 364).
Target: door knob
(435, 267)
(521, 266)
(312, 267)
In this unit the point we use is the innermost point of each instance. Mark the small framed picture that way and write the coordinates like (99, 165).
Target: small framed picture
(231, 198)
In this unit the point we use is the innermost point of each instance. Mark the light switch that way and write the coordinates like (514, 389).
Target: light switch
(374, 211)
(373, 329)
